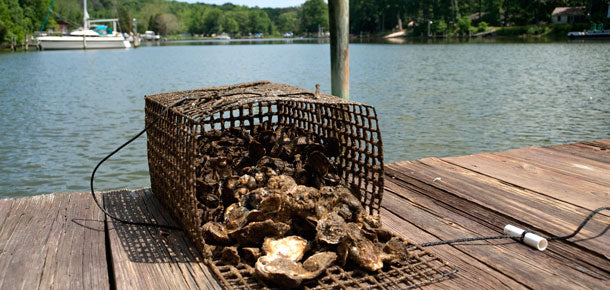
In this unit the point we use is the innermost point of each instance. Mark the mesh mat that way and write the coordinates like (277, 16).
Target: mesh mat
(175, 163)
(421, 269)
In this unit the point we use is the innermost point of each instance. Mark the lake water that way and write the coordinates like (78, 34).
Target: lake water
(62, 111)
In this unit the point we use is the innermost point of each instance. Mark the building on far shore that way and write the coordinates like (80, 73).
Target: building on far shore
(563, 15)
(62, 27)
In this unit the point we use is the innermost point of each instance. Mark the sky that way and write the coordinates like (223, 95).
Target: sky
(252, 3)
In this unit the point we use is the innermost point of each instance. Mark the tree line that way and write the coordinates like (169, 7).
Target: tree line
(457, 15)
(19, 18)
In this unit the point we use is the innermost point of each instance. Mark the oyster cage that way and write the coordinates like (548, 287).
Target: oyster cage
(174, 139)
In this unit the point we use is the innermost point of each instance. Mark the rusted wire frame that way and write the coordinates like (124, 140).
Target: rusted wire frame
(173, 144)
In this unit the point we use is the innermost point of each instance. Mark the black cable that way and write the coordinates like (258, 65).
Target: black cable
(587, 219)
(102, 208)
(499, 237)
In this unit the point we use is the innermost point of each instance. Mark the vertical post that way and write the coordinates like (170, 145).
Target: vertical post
(85, 26)
(338, 11)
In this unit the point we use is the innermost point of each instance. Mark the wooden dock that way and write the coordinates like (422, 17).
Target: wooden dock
(61, 241)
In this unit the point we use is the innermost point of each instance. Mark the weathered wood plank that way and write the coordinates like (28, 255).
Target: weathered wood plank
(535, 211)
(585, 151)
(46, 243)
(603, 144)
(5, 208)
(548, 182)
(455, 197)
(530, 267)
(151, 258)
(583, 168)
(472, 273)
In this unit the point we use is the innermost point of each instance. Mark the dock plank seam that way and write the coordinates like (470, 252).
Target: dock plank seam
(109, 259)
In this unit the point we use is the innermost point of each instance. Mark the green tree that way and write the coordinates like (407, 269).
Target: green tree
(229, 24)
(166, 24)
(287, 22)
(259, 21)
(482, 27)
(439, 26)
(314, 15)
(211, 21)
(464, 25)
(125, 20)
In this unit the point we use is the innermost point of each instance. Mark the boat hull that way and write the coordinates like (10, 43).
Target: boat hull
(590, 34)
(76, 42)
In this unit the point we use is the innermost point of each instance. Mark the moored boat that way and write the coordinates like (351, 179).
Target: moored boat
(596, 31)
(101, 36)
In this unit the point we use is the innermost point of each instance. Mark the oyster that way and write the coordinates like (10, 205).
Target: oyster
(253, 199)
(360, 249)
(395, 250)
(235, 216)
(283, 183)
(271, 203)
(331, 229)
(215, 233)
(317, 163)
(292, 247)
(247, 181)
(319, 262)
(366, 254)
(254, 233)
(251, 254)
(282, 271)
(302, 199)
(230, 256)
(255, 215)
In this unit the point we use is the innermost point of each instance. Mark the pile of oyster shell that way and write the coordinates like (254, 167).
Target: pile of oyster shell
(274, 200)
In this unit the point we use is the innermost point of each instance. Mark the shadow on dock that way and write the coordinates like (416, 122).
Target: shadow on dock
(146, 244)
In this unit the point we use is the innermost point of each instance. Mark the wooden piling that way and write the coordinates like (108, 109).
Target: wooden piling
(338, 11)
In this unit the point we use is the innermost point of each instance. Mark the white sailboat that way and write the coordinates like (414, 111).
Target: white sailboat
(86, 38)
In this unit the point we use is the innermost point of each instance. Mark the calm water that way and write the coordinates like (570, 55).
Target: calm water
(62, 111)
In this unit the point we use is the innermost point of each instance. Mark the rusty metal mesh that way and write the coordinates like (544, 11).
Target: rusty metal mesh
(173, 159)
(421, 269)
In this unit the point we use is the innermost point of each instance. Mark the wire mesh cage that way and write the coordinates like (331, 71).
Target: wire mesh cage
(175, 161)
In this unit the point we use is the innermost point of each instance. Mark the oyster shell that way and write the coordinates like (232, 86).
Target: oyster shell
(365, 254)
(292, 247)
(235, 216)
(251, 254)
(215, 233)
(283, 183)
(302, 200)
(282, 271)
(331, 229)
(255, 216)
(396, 250)
(271, 203)
(254, 233)
(319, 262)
(230, 256)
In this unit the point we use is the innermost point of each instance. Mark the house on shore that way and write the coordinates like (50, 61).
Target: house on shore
(563, 15)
